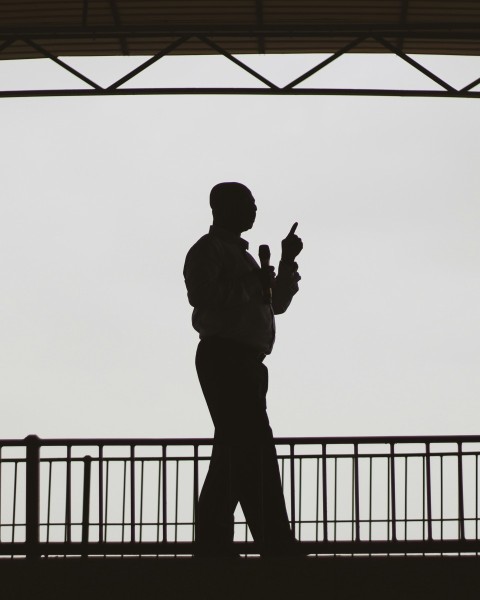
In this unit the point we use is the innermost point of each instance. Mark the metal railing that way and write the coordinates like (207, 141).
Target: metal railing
(370, 495)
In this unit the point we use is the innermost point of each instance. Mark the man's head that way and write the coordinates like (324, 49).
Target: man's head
(233, 206)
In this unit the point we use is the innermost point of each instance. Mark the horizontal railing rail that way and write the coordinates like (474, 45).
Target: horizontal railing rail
(345, 495)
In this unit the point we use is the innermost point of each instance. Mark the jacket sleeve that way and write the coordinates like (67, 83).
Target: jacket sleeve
(285, 286)
(210, 285)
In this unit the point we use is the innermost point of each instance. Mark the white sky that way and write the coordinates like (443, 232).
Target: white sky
(102, 197)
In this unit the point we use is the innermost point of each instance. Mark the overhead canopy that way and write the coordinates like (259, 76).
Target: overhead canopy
(144, 27)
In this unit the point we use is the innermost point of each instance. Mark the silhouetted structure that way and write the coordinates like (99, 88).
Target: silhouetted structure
(401, 495)
(54, 30)
(234, 304)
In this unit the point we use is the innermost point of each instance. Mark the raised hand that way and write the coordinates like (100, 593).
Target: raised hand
(292, 245)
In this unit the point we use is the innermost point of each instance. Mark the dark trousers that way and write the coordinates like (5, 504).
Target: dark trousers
(244, 466)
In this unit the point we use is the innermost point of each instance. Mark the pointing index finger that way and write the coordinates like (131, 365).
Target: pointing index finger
(293, 229)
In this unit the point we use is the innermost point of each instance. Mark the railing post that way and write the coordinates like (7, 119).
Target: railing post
(68, 497)
(195, 488)
(132, 493)
(87, 474)
(429, 493)
(100, 493)
(324, 492)
(356, 493)
(393, 493)
(164, 494)
(461, 508)
(32, 508)
(292, 485)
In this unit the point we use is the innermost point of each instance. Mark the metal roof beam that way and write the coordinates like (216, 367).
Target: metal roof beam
(261, 38)
(116, 20)
(148, 63)
(62, 64)
(85, 13)
(271, 88)
(241, 92)
(239, 63)
(452, 31)
(324, 63)
(470, 86)
(415, 64)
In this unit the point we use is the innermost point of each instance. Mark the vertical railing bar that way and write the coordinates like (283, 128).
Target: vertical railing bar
(406, 498)
(87, 473)
(352, 503)
(357, 495)
(158, 498)
(177, 468)
(292, 486)
(429, 492)
(100, 493)
(14, 507)
(441, 497)
(370, 499)
(164, 492)
(124, 498)
(142, 462)
(388, 499)
(461, 507)
(324, 492)
(335, 500)
(476, 497)
(424, 520)
(32, 512)
(261, 496)
(393, 492)
(68, 497)
(1, 475)
(195, 488)
(300, 471)
(49, 496)
(132, 493)
(317, 497)
(107, 484)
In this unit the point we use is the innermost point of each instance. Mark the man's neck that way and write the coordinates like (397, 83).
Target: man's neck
(228, 235)
(226, 228)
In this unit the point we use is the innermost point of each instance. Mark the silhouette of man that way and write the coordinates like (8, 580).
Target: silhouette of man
(234, 302)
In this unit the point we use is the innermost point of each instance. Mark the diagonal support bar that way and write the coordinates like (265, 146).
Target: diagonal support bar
(324, 63)
(239, 63)
(414, 63)
(64, 65)
(148, 63)
(470, 86)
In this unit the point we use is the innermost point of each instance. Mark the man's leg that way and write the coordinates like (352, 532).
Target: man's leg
(258, 482)
(234, 382)
(214, 529)
(214, 519)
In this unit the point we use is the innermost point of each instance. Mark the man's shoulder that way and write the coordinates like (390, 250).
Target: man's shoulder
(207, 244)
(204, 242)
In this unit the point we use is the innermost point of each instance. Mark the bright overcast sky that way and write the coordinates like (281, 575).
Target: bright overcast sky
(102, 197)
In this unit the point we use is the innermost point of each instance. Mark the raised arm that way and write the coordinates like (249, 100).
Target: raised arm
(286, 282)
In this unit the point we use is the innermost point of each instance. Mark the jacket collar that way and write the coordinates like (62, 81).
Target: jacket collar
(228, 236)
